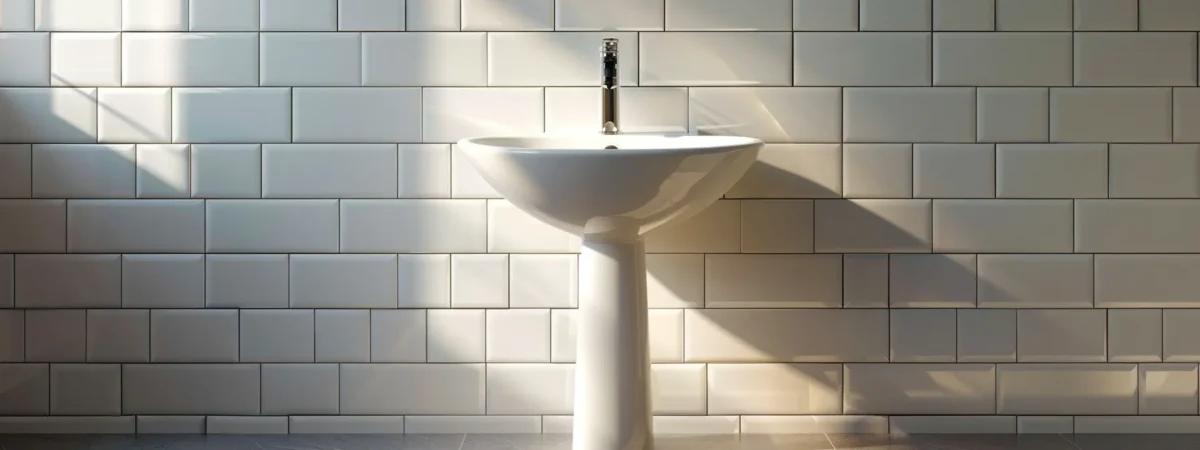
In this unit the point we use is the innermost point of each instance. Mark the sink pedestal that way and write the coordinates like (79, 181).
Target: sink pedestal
(612, 361)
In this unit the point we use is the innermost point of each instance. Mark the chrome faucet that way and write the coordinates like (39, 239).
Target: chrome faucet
(608, 88)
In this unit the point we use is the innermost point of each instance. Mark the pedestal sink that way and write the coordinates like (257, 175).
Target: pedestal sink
(612, 190)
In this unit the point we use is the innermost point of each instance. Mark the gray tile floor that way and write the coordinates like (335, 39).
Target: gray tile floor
(563, 442)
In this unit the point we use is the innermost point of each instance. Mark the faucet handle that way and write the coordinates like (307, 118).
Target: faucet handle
(609, 45)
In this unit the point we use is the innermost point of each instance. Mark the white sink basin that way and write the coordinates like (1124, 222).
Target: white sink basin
(612, 190)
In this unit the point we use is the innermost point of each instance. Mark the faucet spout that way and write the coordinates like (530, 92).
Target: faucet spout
(609, 121)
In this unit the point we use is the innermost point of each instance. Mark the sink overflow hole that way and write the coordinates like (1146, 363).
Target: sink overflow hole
(611, 147)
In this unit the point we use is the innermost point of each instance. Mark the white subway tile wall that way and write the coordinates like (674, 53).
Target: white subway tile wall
(246, 216)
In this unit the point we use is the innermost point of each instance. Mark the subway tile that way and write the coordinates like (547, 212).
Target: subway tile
(923, 335)
(1039, 170)
(451, 114)
(1136, 226)
(170, 424)
(987, 335)
(298, 15)
(226, 171)
(245, 425)
(88, 171)
(231, 115)
(68, 425)
(12, 339)
(27, 391)
(1135, 335)
(424, 171)
(518, 335)
(441, 389)
(118, 336)
(512, 230)
(641, 109)
(425, 280)
(665, 338)
(718, 15)
(717, 229)
(345, 424)
(162, 281)
(1178, 330)
(862, 59)
(1002, 59)
(414, 226)
(223, 15)
(35, 115)
(456, 336)
(964, 15)
(1045, 425)
(356, 115)
(343, 281)
(310, 59)
(163, 171)
(774, 389)
(1147, 281)
(543, 281)
(1036, 281)
(342, 335)
(555, 59)
(213, 59)
(785, 335)
(1057, 335)
(1186, 113)
(946, 388)
(276, 335)
(895, 15)
(85, 389)
(716, 59)
(33, 226)
(1033, 15)
(877, 170)
(432, 15)
(777, 226)
(55, 335)
(27, 57)
(1135, 425)
(78, 15)
(95, 281)
(154, 15)
(194, 335)
(16, 171)
(675, 280)
(1002, 226)
(825, 15)
(18, 15)
(954, 170)
(1167, 389)
(246, 281)
(398, 336)
(564, 335)
(465, 180)
(793, 171)
(684, 426)
(909, 114)
(678, 388)
(530, 388)
(872, 226)
(190, 389)
(1168, 15)
(977, 425)
(329, 171)
(773, 114)
(371, 15)
(1106, 15)
(507, 15)
(618, 15)
(1135, 59)
(1090, 115)
(772, 281)
(449, 426)
(1079, 389)
(299, 389)
(932, 281)
(7, 281)
(865, 281)
(147, 226)
(424, 59)
(1009, 114)
(1154, 170)
(814, 424)
(479, 281)
(271, 226)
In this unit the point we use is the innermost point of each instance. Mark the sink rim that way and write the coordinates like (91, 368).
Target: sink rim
(683, 144)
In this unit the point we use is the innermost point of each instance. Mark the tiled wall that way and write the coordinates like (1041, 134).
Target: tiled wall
(246, 216)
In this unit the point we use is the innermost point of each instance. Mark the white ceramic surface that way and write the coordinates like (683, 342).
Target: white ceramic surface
(612, 190)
